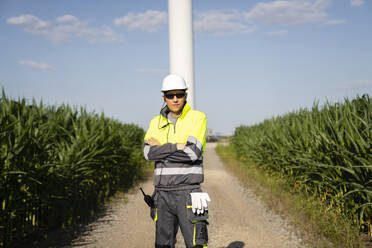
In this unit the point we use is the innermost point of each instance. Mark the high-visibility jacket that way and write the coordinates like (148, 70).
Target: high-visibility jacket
(177, 169)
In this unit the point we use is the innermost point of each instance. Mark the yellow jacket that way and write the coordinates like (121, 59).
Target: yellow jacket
(177, 169)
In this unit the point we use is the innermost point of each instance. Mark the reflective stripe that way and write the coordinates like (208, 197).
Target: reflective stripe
(156, 214)
(178, 171)
(195, 141)
(146, 151)
(193, 240)
(190, 153)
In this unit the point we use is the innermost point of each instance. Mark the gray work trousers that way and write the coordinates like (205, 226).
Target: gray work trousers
(173, 210)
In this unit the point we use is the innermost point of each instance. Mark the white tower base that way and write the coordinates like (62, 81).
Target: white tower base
(181, 54)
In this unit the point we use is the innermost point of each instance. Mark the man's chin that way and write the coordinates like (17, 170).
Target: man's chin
(176, 110)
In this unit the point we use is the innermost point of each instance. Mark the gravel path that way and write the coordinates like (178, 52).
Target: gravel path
(237, 218)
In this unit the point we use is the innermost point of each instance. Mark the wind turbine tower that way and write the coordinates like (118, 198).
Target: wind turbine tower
(181, 52)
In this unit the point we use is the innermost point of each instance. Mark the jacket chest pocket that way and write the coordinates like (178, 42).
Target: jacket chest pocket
(163, 135)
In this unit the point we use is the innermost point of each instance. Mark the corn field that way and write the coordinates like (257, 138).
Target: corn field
(59, 165)
(326, 150)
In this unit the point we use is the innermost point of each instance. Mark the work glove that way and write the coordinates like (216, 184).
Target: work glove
(199, 202)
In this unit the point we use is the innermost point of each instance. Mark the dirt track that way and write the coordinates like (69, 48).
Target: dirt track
(237, 218)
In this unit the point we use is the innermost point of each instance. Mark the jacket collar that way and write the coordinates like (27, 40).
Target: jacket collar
(165, 111)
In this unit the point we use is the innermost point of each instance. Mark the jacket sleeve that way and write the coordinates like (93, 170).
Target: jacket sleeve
(156, 153)
(194, 146)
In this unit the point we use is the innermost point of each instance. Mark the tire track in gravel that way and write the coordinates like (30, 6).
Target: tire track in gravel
(237, 218)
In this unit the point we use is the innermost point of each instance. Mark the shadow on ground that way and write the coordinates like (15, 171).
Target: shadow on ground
(236, 244)
(64, 238)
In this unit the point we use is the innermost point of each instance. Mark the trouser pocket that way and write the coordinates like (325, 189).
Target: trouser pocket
(199, 222)
(200, 233)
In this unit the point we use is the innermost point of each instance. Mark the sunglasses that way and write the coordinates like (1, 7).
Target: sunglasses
(178, 95)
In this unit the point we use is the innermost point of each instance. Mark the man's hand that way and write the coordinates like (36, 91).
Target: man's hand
(180, 146)
(154, 142)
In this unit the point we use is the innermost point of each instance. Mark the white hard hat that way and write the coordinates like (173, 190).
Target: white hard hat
(173, 82)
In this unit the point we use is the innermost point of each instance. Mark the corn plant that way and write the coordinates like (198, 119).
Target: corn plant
(325, 149)
(58, 166)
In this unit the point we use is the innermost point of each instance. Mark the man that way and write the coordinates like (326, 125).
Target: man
(175, 140)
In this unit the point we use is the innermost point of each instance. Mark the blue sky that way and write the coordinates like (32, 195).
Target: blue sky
(253, 59)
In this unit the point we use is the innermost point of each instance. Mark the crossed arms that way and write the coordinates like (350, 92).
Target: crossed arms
(189, 152)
